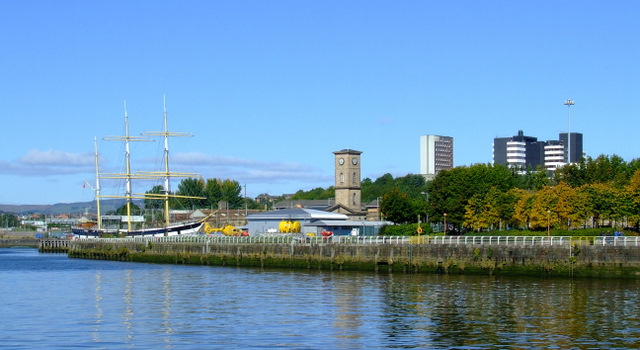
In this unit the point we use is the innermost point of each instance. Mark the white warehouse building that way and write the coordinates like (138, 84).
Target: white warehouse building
(311, 222)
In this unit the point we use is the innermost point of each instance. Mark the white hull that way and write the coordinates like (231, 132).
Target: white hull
(174, 230)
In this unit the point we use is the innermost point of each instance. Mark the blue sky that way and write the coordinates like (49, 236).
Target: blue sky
(271, 88)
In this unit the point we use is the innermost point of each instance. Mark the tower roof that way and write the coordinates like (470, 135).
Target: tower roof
(347, 150)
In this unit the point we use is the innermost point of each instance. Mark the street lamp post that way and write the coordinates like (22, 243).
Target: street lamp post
(427, 211)
(549, 223)
(245, 201)
(569, 103)
(445, 224)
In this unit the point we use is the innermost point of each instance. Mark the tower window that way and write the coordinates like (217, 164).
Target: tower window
(341, 178)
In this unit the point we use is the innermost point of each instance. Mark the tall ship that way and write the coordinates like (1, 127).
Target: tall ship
(96, 228)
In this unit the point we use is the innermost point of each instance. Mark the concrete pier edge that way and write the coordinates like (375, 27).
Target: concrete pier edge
(479, 259)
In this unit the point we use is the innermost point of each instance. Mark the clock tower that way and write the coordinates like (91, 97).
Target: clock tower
(347, 181)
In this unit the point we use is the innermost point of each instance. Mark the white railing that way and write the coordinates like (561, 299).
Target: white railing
(450, 240)
(618, 241)
(534, 240)
(501, 240)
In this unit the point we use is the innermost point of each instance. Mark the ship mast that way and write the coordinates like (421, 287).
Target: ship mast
(128, 176)
(165, 134)
(167, 188)
(127, 159)
(97, 190)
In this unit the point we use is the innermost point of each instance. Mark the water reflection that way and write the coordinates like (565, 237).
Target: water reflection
(128, 308)
(464, 311)
(166, 308)
(125, 305)
(98, 306)
(347, 304)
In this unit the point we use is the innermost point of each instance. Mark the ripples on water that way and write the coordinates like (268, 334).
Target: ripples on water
(50, 301)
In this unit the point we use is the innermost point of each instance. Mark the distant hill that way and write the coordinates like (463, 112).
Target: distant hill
(64, 208)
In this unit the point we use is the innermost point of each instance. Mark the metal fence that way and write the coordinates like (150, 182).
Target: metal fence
(530, 240)
(395, 240)
(280, 239)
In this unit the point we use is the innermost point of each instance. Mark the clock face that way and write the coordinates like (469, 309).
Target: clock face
(341, 161)
(354, 161)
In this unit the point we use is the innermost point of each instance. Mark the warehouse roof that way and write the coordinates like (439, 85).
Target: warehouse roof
(297, 214)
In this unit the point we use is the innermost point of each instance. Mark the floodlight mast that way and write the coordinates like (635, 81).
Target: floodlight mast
(569, 103)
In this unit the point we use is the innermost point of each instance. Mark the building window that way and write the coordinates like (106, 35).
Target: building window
(341, 178)
(354, 199)
(353, 180)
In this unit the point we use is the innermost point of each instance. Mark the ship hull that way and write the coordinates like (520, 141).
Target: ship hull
(174, 230)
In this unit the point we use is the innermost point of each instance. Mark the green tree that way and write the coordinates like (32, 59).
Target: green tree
(603, 201)
(368, 189)
(399, 207)
(191, 187)
(573, 174)
(372, 190)
(213, 192)
(385, 182)
(608, 169)
(252, 204)
(534, 180)
(451, 190)
(315, 194)
(604, 169)
(154, 203)
(135, 210)
(411, 184)
(9, 220)
(231, 193)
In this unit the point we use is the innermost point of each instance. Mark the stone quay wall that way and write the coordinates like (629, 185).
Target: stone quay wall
(19, 242)
(487, 259)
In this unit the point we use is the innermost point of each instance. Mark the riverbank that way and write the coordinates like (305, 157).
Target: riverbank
(537, 258)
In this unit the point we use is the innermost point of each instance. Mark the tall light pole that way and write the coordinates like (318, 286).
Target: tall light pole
(549, 223)
(445, 224)
(427, 211)
(569, 103)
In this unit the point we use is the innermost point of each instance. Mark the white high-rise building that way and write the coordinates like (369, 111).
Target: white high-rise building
(554, 155)
(436, 153)
(516, 154)
(526, 152)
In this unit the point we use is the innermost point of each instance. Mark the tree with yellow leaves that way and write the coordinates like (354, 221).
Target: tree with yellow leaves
(542, 209)
(523, 202)
(633, 197)
(572, 206)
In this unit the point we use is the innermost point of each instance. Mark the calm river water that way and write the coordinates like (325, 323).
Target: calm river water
(49, 301)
